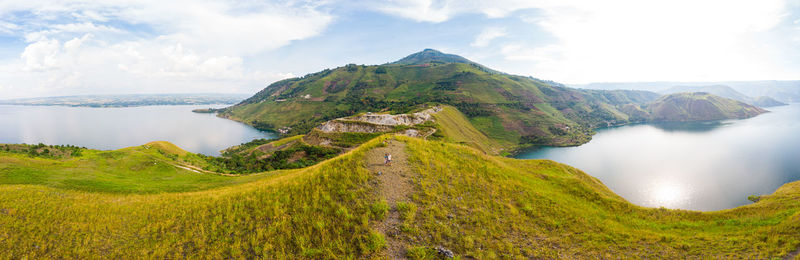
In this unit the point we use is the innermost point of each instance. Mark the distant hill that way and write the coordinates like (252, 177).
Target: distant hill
(764, 101)
(699, 106)
(784, 91)
(129, 100)
(726, 92)
(719, 90)
(514, 111)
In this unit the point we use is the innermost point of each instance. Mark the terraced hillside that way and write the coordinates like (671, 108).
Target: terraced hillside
(459, 200)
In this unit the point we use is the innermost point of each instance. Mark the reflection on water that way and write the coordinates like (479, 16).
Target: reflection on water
(114, 128)
(667, 193)
(700, 166)
(690, 126)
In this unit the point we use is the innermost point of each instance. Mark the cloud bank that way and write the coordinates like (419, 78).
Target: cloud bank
(71, 47)
(74, 47)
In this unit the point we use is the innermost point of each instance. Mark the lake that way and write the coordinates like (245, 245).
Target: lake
(698, 166)
(114, 128)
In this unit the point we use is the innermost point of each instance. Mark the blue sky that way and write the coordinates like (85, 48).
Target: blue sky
(72, 47)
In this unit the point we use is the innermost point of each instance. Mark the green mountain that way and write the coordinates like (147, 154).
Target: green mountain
(726, 92)
(699, 106)
(787, 91)
(429, 56)
(513, 111)
(765, 101)
(436, 198)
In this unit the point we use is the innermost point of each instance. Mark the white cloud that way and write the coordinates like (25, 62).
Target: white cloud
(69, 28)
(442, 10)
(628, 39)
(487, 35)
(90, 15)
(41, 55)
(7, 28)
(149, 46)
(180, 62)
(687, 40)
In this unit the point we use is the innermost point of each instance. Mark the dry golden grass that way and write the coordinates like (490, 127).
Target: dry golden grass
(474, 204)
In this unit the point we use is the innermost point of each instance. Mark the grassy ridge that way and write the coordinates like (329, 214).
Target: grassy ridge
(142, 169)
(489, 207)
(316, 212)
(456, 128)
(474, 204)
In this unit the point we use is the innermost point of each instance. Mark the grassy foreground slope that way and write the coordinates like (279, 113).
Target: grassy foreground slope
(149, 168)
(464, 200)
(489, 206)
(316, 212)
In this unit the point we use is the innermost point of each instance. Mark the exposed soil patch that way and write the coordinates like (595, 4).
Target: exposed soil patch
(297, 156)
(394, 185)
(793, 255)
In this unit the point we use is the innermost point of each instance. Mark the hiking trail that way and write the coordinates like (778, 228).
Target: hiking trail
(394, 185)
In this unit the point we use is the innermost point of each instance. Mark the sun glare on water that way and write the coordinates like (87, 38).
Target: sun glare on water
(668, 194)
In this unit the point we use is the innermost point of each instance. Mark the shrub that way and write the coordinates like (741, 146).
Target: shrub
(376, 241)
(379, 210)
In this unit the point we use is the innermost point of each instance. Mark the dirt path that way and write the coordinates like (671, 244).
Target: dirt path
(792, 255)
(196, 169)
(394, 185)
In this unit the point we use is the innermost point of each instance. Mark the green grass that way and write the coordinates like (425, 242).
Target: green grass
(493, 207)
(457, 129)
(317, 212)
(699, 107)
(141, 169)
(474, 204)
(286, 140)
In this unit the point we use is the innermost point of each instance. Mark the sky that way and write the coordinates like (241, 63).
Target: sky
(78, 47)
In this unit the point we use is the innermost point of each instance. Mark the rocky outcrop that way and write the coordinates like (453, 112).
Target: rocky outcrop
(348, 126)
(377, 123)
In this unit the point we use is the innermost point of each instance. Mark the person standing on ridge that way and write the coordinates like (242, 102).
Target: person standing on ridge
(388, 158)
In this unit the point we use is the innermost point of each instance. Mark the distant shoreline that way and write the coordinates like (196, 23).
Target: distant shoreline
(130, 100)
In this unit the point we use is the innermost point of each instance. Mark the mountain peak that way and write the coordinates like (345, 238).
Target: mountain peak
(428, 55)
(431, 56)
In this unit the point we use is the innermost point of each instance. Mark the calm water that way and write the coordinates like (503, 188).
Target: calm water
(114, 128)
(698, 166)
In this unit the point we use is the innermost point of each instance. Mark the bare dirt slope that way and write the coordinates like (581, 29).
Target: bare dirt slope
(394, 185)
